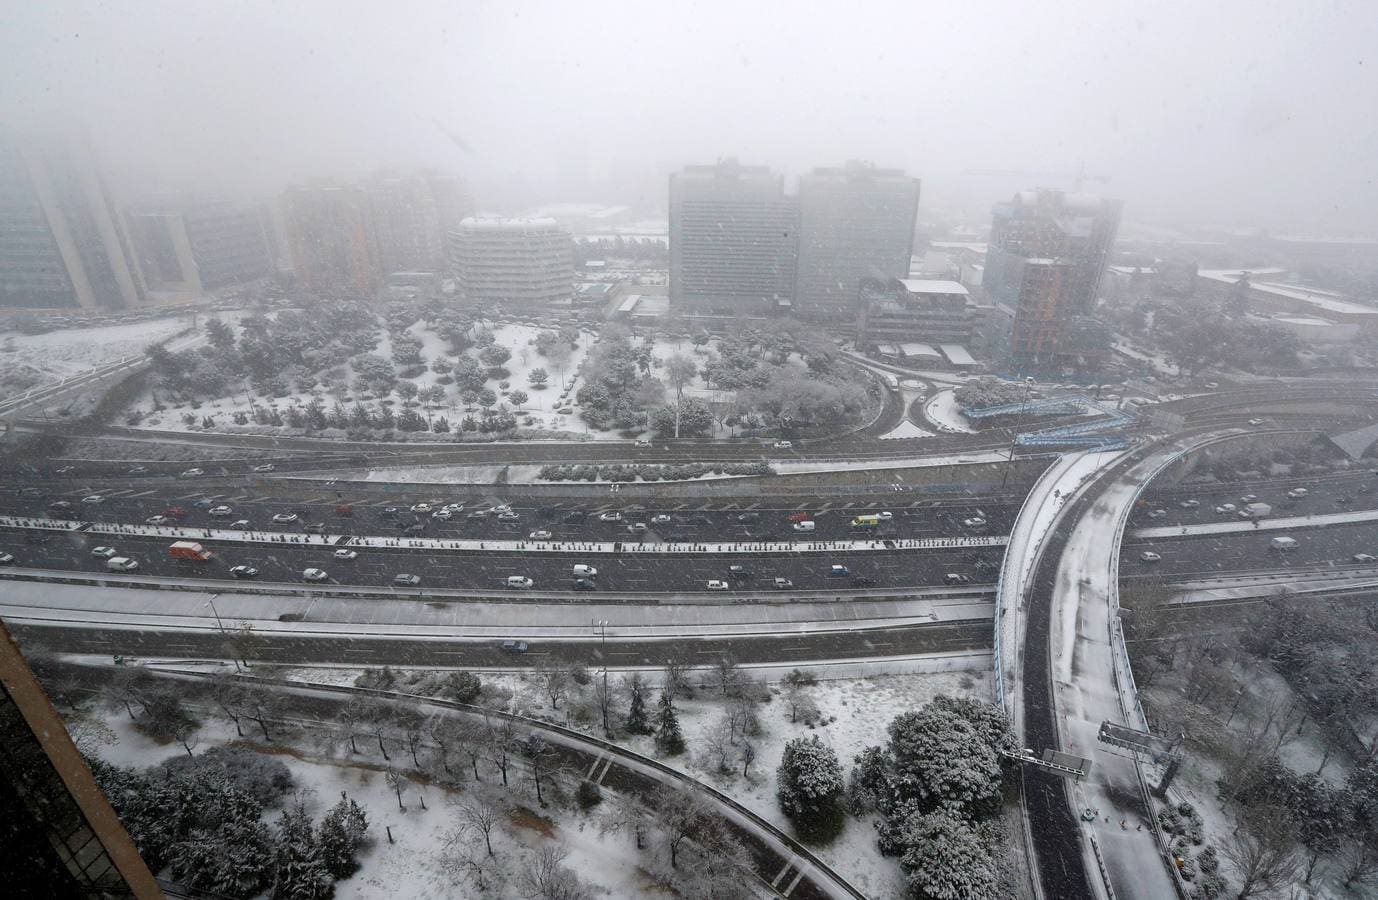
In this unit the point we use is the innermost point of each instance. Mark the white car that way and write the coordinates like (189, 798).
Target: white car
(193, 473)
(643, 443)
(1156, 513)
(266, 467)
(610, 517)
(285, 518)
(1255, 422)
(93, 499)
(6, 559)
(508, 516)
(1189, 504)
(240, 523)
(885, 516)
(103, 552)
(637, 527)
(421, 507)
(538, 536)
(1149, 556)
(974, 522)
(783, 445)
(1248, 498)
(453, 508)
(716, 585)
(443, 515)
(220, 512)
(519, 581)
(1294, 493)
(406, 580)
(661, 519)
(122, 564)
(1364, 558)
(244, 572)
(1225, 508)
(346, 555)
(157, 520)
(502, 508)
(314, 575)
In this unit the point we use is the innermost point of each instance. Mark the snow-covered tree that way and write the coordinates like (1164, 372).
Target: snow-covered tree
(669, 738)
(636, 709)
(943, 761)
(945, 859)
(341, 833)
(810, 787)
(299, 871)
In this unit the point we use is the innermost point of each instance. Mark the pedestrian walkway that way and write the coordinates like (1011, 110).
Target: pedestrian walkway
(185, 533)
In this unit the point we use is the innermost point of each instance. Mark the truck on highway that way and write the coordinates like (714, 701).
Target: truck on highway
(189, 550)
(866, 523)
(1282, 543)
(1255, 511)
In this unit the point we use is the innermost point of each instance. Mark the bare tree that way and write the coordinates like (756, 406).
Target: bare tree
(89, 732)
(554, 677)
(448, 734)
(606, 696)
(679, 815)
(501, 739)
(1264, 854)
(747, 754)
(1359, 861)
(377, 719)
(726, 676)
(676, 680)
(540, 755)
(263, 706)
(722, 866)
(166, 716)
(397, 780)
(350, 717)
(128, 685)
(718, 743)
(410, 724)
(550, 879)
(801, 703)
(473, 738)
(460, 859)
(479, 816)
(626, 816)
(227, 695)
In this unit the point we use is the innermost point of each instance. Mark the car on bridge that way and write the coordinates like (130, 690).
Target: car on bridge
(420, 507)
(643, 443)
(637, 527)
(176, 512)
(863, 581)
(1364, 558)
(1226, 508)
(800, 516)
(718, 585)
(805, 526)
(443, 515)
(244, 572)
(346, 555)
(514, 647)
(240, 523)
(974, 522)
(103, 552)
(1149, 556)
(838, 571)
(738, 571)
(519, 581)
(783, 583)
(956, 578)
(509, 516)
(285, 518)
(1255, 422)
(660, 519)
(6, 559)
(610, 516)
(138, 470)
(92, 499)
(1189, 504)
(122, 564)
(314, 575)
(585, 571)
(406, 579)
(584, 584)
(157, 520)
(192, 473)
(265, 467)
(539, 536)
(314, 528)
(60, 504)
(220, 512)
(783, 445)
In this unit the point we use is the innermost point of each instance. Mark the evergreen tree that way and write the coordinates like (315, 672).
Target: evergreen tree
(669, 739)
(341, 833)
(299, 871)
(810, 788)
(945, 857)
(636, 713)
(219, 334)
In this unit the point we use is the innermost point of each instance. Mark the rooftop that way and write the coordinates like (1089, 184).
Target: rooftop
(1328, 301)
(926, 286)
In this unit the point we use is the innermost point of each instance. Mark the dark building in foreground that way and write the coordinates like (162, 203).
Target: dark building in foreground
(733, 241)
(59, 837)
(1047, 254)
(855, 222)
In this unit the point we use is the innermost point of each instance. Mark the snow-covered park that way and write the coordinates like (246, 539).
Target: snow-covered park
(33, 360)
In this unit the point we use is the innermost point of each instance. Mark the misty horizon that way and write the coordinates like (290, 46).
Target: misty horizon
(1232, 116)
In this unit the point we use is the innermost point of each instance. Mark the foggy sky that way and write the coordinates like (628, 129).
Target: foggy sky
(1235, 113)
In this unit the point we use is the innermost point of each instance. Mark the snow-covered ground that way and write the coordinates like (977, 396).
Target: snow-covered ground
(32, 360)
(942, 410)
(905, 429)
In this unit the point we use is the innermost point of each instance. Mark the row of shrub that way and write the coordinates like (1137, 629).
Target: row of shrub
(651, 472)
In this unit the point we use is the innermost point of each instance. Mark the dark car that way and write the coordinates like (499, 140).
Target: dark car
(37, 537)
(345, 510)
(315, 528)
(514, 647)
(577, 517)
(175, 512)
(749, 517)
(863, 581)
(584, 584)
(415, 528)
(739, 571)
(389, 512)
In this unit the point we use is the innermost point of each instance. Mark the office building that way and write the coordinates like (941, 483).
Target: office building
(60, 836)
(855, 222)
(914, 319)
(191, 249)
(512, 262)
(62, 244)
(331, 238)
(412, 214)
(733, 241)
(1047, 254)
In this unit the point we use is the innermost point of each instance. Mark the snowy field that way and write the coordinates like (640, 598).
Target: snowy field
(942, 410)
(32, 360)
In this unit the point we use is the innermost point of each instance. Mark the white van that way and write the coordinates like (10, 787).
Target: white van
(1277, 543)
(122, 564)
(519, 581)
(585, 571)
(806, 525)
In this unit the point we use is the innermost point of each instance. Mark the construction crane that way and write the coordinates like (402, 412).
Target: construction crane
(1077, 179)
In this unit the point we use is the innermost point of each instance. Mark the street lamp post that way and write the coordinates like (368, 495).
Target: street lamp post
(1014, 433)
(220, 624)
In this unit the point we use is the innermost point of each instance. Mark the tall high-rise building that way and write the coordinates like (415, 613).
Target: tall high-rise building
(412, 214)
(62, 244)
(733, 241)
(331, 236)
(854, 222)
(513, 262)
(1047, 253)
(197, 247)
